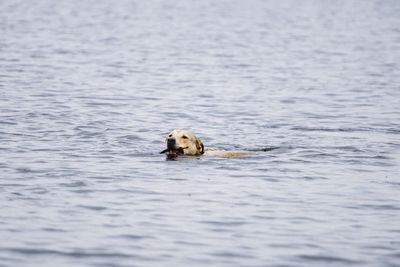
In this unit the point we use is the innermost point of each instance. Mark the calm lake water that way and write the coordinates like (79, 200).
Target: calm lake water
(90, 89)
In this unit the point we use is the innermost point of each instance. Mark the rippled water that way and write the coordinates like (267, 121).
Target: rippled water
(89, 90)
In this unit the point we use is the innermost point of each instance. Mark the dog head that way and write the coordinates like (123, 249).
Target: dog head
(181, 142)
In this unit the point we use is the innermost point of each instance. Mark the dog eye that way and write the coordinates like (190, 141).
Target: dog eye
(184, 137)
(170, 135)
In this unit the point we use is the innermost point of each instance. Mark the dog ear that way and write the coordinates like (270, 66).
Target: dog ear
(200, 146)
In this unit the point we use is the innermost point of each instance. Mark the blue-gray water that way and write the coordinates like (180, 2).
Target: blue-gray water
(89, 90)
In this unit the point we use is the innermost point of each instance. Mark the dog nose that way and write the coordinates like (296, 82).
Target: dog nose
(171, 143)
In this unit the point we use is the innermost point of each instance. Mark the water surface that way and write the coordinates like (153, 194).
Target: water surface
(89, 90)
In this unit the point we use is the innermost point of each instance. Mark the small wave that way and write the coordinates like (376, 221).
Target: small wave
(74, 184)
(324, 129)
(95, 208)
(26, 170)
(74, 254)
(346, 129)
(263, 149)
(8, 122)
(379, 207)
(134, 237)
(225, 223)
(328, 259)
(229, 255)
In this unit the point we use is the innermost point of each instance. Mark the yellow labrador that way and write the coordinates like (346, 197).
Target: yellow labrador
(181, 142)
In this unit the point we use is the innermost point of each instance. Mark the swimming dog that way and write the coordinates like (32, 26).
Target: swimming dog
(181, 142)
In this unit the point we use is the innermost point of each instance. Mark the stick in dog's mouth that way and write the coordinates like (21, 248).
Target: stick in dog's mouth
(172, 153)
(165, 150)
